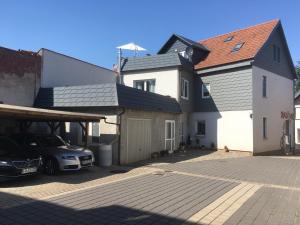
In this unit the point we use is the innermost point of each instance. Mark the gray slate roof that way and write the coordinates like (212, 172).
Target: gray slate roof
(155, 61)
(184, 40)
(104, 95)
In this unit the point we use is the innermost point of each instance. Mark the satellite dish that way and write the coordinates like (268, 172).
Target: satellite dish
(189, 51)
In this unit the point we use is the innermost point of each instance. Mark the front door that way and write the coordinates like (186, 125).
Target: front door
(170, 135)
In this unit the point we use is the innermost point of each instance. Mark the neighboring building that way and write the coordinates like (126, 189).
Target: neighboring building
(145, 121)
(233, 89)
(297, 118)
(61, 70)
(20, 75)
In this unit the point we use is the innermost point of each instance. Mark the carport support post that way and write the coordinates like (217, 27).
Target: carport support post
(85, 128)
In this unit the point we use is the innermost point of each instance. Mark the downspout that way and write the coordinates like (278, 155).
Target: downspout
(119, 132)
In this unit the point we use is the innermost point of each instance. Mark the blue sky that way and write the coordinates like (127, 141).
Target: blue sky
(90, 30)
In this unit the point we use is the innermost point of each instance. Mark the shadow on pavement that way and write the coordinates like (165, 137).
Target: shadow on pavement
(42, 212)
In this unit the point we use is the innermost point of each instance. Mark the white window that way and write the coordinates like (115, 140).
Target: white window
(264, 127)
(145, 85)
(170, 135)
(264, 87)
(200, 128)
(184, 89)
(206, 90)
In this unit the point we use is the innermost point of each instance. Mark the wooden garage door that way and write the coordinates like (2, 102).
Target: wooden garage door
(138, 139)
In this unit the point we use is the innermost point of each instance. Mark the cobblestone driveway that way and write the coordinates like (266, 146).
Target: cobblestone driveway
(243, 190)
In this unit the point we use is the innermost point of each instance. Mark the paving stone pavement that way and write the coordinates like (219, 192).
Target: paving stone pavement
(239, 190)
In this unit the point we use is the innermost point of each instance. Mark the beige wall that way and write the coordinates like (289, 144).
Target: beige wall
(19, 89)
(157, 129)
(166, 80)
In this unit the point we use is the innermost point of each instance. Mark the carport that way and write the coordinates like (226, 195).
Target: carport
(53, 118)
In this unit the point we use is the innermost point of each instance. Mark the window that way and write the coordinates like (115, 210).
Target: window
(237, 47)
(205, 90)
(145, 85)
(264, 87)
(200, 128)
(184, 89)
(264, 127)
(170, 135)
(298, 135)
(95, 132)
(276, 53)
(229, 38)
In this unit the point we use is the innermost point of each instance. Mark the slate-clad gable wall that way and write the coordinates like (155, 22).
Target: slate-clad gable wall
(265, 60)
(179, 45)
(231, 90)
(187, 105)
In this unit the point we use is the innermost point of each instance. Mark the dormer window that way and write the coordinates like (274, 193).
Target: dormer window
(229, 38)
(238, 46)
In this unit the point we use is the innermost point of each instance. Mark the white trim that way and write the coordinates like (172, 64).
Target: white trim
(208, 88)
(144, 84)
(182, 90)
(173, 137)
(224, 67)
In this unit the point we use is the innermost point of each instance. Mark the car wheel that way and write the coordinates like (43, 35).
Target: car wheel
(51, 166)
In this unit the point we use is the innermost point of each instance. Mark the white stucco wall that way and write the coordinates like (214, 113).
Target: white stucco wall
(297, 124)
(280, 98)
(229, 128)
(166, 80)
(62, 70)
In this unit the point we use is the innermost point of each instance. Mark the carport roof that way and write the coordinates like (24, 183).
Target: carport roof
(35, 114)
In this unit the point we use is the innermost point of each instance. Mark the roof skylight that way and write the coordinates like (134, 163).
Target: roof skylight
(229, 38)
(238, 46)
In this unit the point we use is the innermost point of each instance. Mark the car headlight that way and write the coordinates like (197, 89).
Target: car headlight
(68, 157)
(5, 163)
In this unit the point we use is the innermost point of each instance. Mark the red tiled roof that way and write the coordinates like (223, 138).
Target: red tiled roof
(220, 51)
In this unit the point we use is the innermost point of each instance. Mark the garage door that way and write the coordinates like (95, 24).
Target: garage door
(138, 139)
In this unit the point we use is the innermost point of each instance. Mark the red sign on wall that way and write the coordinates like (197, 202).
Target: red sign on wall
(287, 115)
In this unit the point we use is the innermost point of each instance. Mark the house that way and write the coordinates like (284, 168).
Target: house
(22, 73)
(20, 80)
(234, 89)
(297, 118)
(142, 122)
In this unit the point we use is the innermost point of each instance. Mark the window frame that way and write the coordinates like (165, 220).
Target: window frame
(236, 49)
(145, 84)
(208, 89)
(196, 128)
(265, 127)
(185, 89)
(264, 87)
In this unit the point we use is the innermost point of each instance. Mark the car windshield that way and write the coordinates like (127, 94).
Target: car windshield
(51, 141)
(7, 146)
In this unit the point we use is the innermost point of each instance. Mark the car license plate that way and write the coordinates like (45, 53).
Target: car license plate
(29, 170)
(87, 161)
